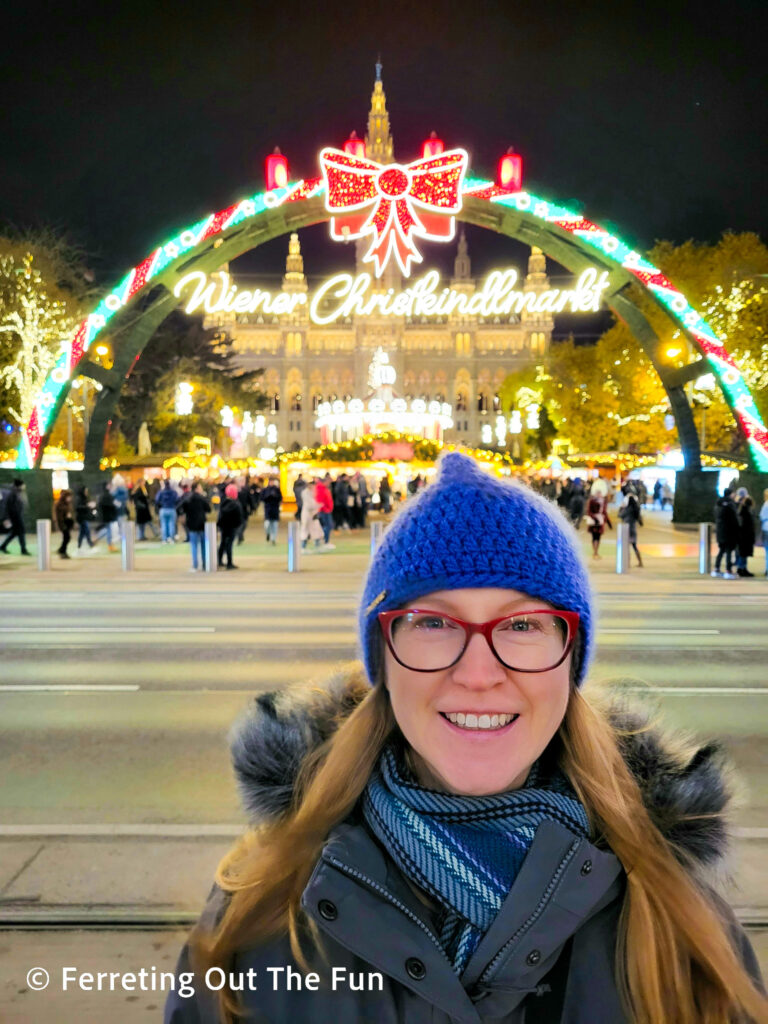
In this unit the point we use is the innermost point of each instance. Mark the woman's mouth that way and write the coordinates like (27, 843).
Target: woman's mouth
(471, 721)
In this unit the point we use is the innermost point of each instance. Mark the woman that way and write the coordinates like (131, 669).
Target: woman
(448, 838)
(108, 515)
(230, 520)
(310, 523)
(597, 514)
(271, 499)
(65, 520)
(143, 509)
(83, 516)
(746, 543)
(324, 499)
(764, 526)
(630, 513)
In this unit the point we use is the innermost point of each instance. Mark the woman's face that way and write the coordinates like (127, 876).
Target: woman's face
(477, 762)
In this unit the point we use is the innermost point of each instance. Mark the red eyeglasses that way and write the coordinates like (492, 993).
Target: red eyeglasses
(428, 641)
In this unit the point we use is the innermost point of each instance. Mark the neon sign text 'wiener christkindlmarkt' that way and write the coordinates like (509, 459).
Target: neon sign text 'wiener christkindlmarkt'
(496, 296)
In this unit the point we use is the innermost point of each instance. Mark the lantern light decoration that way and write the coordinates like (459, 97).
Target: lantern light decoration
(432, 146)
(355, 146)
(276, 170)
(510, 173)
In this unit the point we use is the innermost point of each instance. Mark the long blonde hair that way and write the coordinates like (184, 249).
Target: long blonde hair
(675, 963)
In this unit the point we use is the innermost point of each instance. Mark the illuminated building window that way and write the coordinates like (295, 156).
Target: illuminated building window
(296, 403)
(274, 403)
(461, 402)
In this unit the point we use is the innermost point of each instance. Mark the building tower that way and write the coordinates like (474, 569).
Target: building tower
(538, 325)
(462, 268)
(378, 141)
(294, 280)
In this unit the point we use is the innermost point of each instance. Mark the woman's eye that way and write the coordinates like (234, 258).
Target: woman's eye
(431, 623)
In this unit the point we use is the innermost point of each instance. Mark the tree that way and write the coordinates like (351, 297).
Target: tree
(184, 350)
(43, 288)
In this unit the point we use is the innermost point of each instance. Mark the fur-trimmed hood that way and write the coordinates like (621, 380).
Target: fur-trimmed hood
(685, 790)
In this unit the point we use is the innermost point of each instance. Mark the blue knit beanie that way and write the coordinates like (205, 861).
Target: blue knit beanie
(470, 529)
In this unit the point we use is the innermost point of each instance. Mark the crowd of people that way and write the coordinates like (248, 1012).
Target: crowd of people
(326, 504)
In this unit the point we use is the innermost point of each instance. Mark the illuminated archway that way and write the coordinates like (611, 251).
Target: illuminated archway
(145, 297)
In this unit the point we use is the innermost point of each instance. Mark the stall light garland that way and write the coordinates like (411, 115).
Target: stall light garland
(611, 247)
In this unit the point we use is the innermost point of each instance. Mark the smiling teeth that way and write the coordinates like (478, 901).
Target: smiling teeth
(471, 721)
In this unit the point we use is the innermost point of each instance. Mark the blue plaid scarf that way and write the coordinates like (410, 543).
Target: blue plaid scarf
(465, 851)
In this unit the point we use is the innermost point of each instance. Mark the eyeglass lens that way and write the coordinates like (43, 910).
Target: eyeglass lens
(529, 642)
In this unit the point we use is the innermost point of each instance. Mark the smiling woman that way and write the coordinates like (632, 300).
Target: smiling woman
(461, 819)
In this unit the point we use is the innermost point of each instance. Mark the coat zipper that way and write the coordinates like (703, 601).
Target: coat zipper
(536, 913)
(360, 877)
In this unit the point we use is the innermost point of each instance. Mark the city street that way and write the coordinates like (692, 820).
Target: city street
(117, 691)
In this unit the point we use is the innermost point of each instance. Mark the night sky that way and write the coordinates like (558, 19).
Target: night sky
(123, 122)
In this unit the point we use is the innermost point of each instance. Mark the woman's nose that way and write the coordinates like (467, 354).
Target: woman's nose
(478, 667)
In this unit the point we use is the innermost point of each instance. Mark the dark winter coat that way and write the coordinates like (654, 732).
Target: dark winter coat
(230, 515)
(83, 511)
(166, 498)
(244, 497)
(549, 954)
(746, 531)
(726, 522)
(271, 499)
(195, 507)
(107, 508)
(140, 500)
(14, 509)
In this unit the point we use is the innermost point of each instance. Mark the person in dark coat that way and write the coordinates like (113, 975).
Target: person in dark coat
(229, 522)
(597, 519)
(194, 506)
(64, 517)
(14, 516)
(271, 499)
(726, 533)
(244, 497)
(107, 510)
(745, 547)
(341, 502)
(629, 512)
(142, 506)
(299, 487)
(455, 831)
(84, 512)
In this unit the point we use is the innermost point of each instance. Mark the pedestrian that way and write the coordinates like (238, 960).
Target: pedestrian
(230, 518)
(120, 494)
(764, 527)
(629, 512)
(194, 506)
(142, 509)
(461, 819)
(745, 546)
(362, 500)
(64, 517)
(657, 503)
(84, 512)
(12, 518)
(186, 488)
(343, 501)
(244, 497)
(576, 503)
(666, 495)
(597, 517)
(726, 534)
(107, 510)
(272, 499)
(310, 529)
(324, 501)
(298, 490)
(166, 502)
(385, 494)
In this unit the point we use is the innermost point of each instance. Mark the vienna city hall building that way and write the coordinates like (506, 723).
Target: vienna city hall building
(317, 347)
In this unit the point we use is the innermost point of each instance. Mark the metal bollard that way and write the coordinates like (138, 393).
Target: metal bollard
(377, 533)
(211, 551)
(705, 549)
(127, 545)
(294, 547)
(44, 545)
(622, 548)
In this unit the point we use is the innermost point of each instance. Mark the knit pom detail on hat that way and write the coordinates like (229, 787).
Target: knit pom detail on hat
(469, 529)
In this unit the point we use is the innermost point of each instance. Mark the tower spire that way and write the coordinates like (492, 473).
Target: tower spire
(294, 280)
(378, 141)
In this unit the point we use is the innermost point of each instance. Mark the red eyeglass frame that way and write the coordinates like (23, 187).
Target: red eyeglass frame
(486, 628)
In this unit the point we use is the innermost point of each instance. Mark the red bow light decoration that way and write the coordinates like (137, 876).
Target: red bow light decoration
(393, 202)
